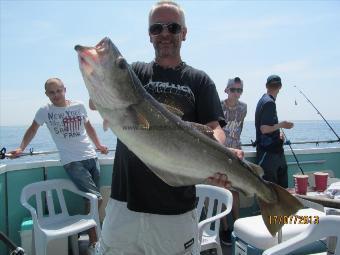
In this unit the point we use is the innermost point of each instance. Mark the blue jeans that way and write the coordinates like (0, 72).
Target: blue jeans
(85, 175)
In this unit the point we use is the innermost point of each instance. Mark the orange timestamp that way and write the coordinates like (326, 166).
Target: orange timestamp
(293, 219)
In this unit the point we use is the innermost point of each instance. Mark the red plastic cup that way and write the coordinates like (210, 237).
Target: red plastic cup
(320, 181)
(301, 183)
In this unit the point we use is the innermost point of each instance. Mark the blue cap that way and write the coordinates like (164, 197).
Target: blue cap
(273, 79)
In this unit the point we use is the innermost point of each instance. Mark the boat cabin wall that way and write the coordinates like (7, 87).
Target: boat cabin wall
(14, 177)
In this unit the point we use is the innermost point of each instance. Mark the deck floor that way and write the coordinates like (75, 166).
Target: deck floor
(225, 249)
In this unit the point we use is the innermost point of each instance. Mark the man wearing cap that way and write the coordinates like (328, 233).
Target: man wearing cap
(269, 140)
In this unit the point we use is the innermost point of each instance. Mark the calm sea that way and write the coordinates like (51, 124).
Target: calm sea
(10, 138)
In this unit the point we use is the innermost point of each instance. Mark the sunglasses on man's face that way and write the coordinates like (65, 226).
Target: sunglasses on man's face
(234, 90)
(157, 28)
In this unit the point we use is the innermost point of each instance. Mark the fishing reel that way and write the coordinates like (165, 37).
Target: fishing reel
(18, 251)
(3, 153)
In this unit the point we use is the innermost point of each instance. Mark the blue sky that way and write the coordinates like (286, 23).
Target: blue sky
(299, 40)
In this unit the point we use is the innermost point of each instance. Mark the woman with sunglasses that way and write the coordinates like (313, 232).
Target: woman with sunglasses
(234, 113)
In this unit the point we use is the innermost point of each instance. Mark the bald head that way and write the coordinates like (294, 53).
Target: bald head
(168, 4)
(53, 81)
(55, 90)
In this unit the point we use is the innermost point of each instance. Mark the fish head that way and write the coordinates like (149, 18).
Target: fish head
(106, 74)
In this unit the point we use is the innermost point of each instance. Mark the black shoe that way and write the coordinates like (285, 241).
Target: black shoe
(225, 237)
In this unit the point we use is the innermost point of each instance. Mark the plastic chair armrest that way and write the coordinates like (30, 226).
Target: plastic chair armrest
(83, 194)
(93, 201)
(32, 211)
(203, 223)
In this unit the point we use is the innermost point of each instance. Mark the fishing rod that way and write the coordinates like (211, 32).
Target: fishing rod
(318, 112)
(31, 152)
(3, 153)
(14, 250)
(296, 159)
(302, 142)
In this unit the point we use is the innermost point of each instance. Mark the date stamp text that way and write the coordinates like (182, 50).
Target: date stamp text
(293, 219)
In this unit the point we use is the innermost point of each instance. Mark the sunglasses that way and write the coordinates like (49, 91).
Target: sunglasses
(234, 90)
(157, 28)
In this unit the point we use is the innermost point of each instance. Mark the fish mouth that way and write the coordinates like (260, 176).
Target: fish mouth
(88, 54)
(103, 45)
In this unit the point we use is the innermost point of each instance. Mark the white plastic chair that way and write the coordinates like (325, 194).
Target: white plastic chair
(328, 225)
(210, 200)
(53, 225)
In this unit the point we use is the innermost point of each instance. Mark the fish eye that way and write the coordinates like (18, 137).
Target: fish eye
(121, 63)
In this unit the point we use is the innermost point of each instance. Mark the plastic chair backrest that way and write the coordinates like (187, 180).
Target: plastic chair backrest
(210, 200)
(39, 188)
(328, 225)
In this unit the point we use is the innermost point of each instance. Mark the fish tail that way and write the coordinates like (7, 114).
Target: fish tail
(274, 213)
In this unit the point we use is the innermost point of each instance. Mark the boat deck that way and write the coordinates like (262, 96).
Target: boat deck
(14, 177)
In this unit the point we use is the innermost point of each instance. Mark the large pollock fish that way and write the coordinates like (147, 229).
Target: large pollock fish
(179, 152)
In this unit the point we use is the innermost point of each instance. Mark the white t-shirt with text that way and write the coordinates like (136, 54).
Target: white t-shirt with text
(67, 128)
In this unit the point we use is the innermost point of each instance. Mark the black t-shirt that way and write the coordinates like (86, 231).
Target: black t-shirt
(266, 115)
(192, 92)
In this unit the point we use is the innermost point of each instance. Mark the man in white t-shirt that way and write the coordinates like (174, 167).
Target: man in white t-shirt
(70, 129)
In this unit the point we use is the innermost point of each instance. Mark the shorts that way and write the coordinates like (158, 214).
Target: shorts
(85, 175)
(128, 232)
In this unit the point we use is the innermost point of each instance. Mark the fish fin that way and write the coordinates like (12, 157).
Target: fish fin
(239, 190)
(174, 110)
(285, 205)
(258, 170)
(140, 121)
(204, 129)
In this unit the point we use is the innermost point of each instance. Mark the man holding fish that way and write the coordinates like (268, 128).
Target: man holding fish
(161, 153)
(139, 197)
